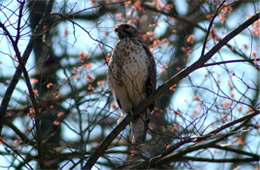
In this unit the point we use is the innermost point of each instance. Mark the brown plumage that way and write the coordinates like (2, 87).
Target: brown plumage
(132, 76)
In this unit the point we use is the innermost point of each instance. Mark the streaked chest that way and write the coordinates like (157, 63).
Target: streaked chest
(129, 59)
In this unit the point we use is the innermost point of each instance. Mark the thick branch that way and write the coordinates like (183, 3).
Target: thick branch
(107, 141)
(174, 80)
(198, 64)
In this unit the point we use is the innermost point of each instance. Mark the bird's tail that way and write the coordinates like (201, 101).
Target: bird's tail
(139, 128)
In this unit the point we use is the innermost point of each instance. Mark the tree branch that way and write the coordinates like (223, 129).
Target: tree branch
(107, 141)
(241, 152)
(189, 158)
(210, 26)
(232, 61)
(174, 80)
(206, 136)
(198, 64)
(22, 69)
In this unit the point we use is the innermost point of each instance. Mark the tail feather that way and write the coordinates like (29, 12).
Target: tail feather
(139, 128)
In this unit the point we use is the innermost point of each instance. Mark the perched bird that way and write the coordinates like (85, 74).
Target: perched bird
(131, 77)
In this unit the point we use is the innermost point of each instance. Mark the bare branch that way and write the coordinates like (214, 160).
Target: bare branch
(210, 26)
(244, 160)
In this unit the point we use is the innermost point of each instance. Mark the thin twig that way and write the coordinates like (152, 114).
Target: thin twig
(209, 28)
(231, 61)
(189, 158)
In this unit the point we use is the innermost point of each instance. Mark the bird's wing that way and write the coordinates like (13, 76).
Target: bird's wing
(151, 81)
(140, 126)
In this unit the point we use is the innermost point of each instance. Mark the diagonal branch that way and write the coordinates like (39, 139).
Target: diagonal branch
(107, 141)
(198, 64)
(173, 80)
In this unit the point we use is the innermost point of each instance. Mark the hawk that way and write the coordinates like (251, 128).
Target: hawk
(131, 77)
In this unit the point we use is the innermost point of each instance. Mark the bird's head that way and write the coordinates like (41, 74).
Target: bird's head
(126, 30)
